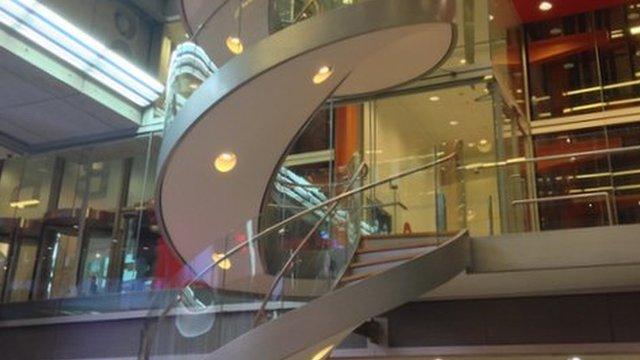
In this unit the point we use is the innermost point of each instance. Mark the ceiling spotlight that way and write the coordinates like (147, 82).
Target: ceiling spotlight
(484, 146)
(453, 123)
(434, 98)
(225, 162)
(471, 144)
(463, 61)
(234, 44)
(224, 264)
(491, 17)
(545, 6)
(322, 75)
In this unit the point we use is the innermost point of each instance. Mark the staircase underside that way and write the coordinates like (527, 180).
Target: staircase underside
(327, 320)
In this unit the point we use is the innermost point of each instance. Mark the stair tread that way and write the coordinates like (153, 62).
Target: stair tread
(364, 250)
(427, 234)
(352, 278)
(361, 264)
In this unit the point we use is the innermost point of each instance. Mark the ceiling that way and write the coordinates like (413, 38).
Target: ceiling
(37, 111)
(460, 113)
(528, 10)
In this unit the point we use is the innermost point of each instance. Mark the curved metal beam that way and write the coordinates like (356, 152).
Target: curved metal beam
(256, 104)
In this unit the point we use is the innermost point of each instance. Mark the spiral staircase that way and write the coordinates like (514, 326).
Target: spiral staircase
(247, 114)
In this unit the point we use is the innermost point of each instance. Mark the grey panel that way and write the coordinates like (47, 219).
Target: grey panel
(15, 91)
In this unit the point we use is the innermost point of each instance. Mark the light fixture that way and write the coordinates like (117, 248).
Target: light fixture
(193, 86)
(434, 98)
(484, 146)
(225, 162)
(574, 358)
(471, 144)
(323, 73)
(634, 30)
(463, 61)
(322, 353)
(234, 44)
(491, 17)
(24, 203)
(98, 255)
(224, 264)
(545, 6)
(62, 39)
(453, 123)
(555, 31)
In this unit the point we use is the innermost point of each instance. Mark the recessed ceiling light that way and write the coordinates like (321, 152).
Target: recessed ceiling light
(545, 6)
(555, 31)
(225, 162)
(491, 17)
(574, 358)
(224, 264)
(234, 44)
(484, 146)
(471, 144)
(322, 353)
(434, 98)
(463, 61)
(323, 73)
(453, 123)
(519, 91)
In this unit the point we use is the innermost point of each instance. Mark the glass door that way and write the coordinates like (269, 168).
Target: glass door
(59, 262)
(23, 268)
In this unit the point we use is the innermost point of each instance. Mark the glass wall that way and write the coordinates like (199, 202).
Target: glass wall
(584, 63)
(79, 223)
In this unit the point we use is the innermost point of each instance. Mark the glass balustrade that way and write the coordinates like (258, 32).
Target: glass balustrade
(271, 265)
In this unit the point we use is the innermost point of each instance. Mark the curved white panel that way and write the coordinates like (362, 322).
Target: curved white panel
(258, 102)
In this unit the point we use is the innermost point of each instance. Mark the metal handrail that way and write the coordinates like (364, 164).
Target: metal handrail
(304, 242)
(329, 202)
(523, 160)
(606, 195)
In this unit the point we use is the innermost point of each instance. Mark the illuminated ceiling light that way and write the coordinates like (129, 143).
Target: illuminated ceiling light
(322, 74)
(322, 353)
(491, 17)
(224, 264)
(434, 98)
(555, 31)
(24, 203)
(234, 44)
(193, 86)
(545, 6)
(484, 146)
(62, 39)
(634, 30)
(574, 358)
(487, 78)
(463, 61)
(225, 162)
(453, 123)
(471, 144)
(519, 91)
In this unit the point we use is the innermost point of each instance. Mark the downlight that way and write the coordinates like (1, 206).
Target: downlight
(545, 6)
(234, 44)
(224, 264)
(322, 75)
(225, 162)
(322, 353)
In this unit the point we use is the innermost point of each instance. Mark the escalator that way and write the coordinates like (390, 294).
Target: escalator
(224, 148)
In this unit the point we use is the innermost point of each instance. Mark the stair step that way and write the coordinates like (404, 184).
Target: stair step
(392, 243)
(366, 255)
(424, 234)
(367, 250)
(382, 265)
(393, 259)
(353, 278)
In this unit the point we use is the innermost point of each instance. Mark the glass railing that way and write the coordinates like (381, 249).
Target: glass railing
(268, 266)
(556, 192)
(227, 28)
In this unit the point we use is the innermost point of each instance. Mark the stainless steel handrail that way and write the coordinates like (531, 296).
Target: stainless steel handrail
(523, 160)
(335, 199)
(606, 195)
